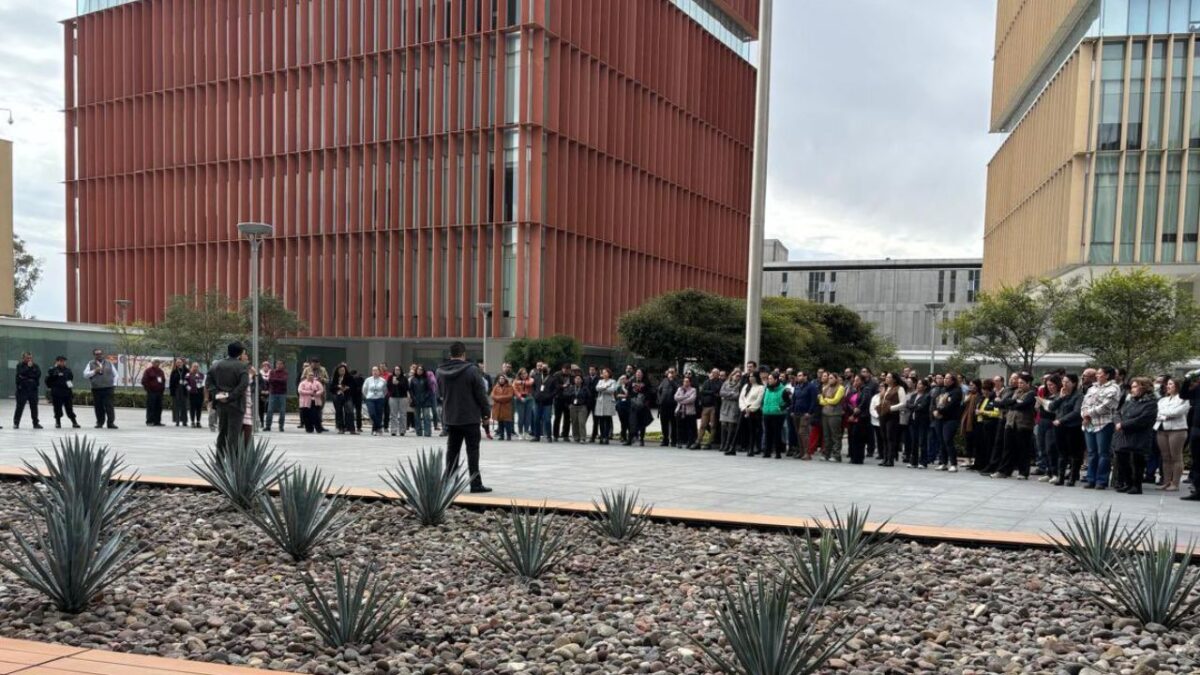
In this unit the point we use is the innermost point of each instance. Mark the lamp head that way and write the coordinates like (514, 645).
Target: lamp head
(252, 230)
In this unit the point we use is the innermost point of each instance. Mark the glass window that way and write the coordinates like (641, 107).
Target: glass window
(1194, 123)
(1115, 17)
(953, 285)
(511, 180)
(1104, 214)
(1159, 12)
(512, 78)
(1178, 92)
(1137, 87)
(1150, 205)
(1139, 16)
(1158, 84)
(1112, 77)
(1129, 223)
(1171, 206)
(941, 286)
(1191, 213)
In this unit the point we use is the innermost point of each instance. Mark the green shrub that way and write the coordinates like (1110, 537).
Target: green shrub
(243, 473)
(82, 543)
(363, 609)
(767, 636)
(620, 517)
(1150, 585)
(528, 545)
(828, 568)
(304, 516)
(1096, 542)
(427, 489)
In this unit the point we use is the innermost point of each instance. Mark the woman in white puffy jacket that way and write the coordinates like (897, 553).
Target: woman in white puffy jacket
(750, 405)
(1172, 428)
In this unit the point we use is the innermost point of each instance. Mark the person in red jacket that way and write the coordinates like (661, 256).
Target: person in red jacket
(154, 381)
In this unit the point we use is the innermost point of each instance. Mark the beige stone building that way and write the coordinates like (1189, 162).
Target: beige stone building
(1101, 167)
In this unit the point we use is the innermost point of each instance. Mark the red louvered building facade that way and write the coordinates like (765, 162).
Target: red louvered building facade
(563, 160)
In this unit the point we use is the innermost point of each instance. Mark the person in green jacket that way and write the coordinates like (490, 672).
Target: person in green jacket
(776, 399)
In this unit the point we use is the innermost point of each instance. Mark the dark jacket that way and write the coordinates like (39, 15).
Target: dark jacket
(228, 376)
(176, 382)
(57, 379)
(422, 393)
(342, 385)
(710, 393)
(804, 399)
(397, 386)
(356, 386)
(948, 404)
(29, 378)
(666, 394)
(1021, 410)
(154, 380)
(918, 407)
(581, 395)
(1066, 410)
(277, 383)
(462, 388)
(545, 388)
(564, 380)
(868, 391)
(1136, 416)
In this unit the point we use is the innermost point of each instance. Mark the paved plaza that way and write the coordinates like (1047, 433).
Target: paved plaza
(700, 480)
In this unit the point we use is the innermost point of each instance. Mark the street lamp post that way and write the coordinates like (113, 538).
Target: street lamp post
(758, 185)
(255, 232)
(934, 308)
(486, 309)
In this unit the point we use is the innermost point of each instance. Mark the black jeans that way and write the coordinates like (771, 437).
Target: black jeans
(1017, 454)
(562, 420)
(918, 439)
(154, 404)
(774, 426)
(1070, 445)
(24, 399)
(63, 405)
(860, 431)
(455, 436)
(179, 407)
(102, 403)
(983, 438)
(891, 433)
(670, 428)
(229, 423)
(750, 432)
(195, 406)
(605, 425)
(343, 413)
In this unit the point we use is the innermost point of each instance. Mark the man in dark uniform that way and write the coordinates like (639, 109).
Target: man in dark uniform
(29, 378)
(227, 382)
(464, 409)
(61, 383)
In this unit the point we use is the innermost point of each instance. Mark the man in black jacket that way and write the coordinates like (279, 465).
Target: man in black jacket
(465, 407)
(178, 390)
(562, 404)
(29, 378)
(227, 383)
(710, 407)
(1191, 391)
(666, 409)
(592, 379)
(61, 383)
(870, 388)
(545, 395)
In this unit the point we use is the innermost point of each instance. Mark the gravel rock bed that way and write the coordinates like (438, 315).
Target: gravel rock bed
(217, 591)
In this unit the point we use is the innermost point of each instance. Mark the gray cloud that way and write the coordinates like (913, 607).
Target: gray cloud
(878, 143)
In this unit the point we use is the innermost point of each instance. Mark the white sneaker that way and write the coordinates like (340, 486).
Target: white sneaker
(1044, 479)
(940, 467)
(953, 469)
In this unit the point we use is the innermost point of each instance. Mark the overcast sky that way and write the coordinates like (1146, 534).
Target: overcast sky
(878, 128)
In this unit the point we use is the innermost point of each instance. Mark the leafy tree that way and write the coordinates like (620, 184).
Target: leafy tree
(1013, 326)
(197, 325)
(554, 350)
(27, 272)
(687, 324)
(131, 340)
(1139, 321)
(275, 322)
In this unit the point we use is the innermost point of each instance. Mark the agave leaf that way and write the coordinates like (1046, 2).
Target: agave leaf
(766, 635)
(1096, 541)
(243, 473)
(428, 490)
(1150, 585)
(364, 608)
(304, 516)
(527, 544)
(620, 517)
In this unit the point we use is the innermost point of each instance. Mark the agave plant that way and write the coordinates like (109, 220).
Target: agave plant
(620, 517)
(528, 545)
(1150, 585)
(363, 609)
(305, 516)
(242, 473)
(766, 634)
(1095, 542)
(828, 567)
(81, 542)
(427, 488)
(80, 471)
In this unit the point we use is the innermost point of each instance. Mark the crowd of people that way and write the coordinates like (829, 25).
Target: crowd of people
(1098, 428)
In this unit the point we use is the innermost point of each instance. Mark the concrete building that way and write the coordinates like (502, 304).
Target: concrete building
(1101, 167)
(893, 295)
(559, 161)
(7, 297)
